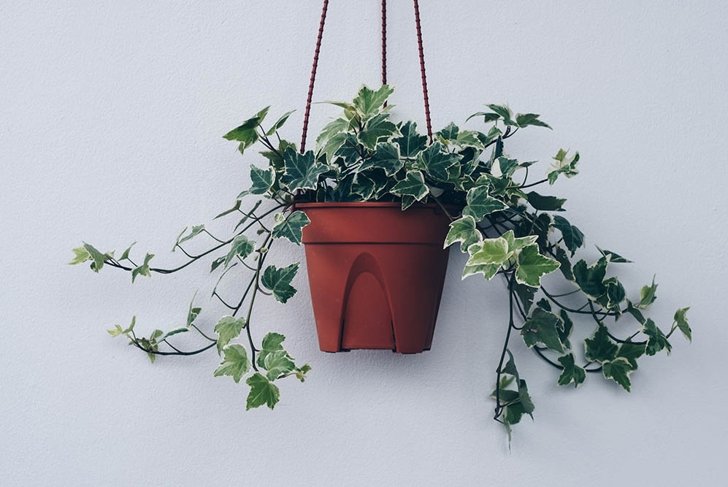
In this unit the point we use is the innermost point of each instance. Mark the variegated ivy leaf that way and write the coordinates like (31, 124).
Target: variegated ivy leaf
(573, 238)
(656, 339)
(411, 143)
(261, 180)
(489, 251)
(503, 167)
(591, 279)
(279, 123)
(532, 266)
(369, 102)
(302, 171)
(235, 363)
(227, 329)
(80, 255)
(290, 227)
(184, 236)
(563, 164)
(618, 370)
(463, 230)
(278, 281)
(262, 392)
(631, 352)
(545, 203)
(332, 136)
(571, 372)
(516, 244)
(241, 247)
(648, 294)
(599, 347)
(386, 157)
(681, 321)
(440, 164)
(516, 402)
(480, 203)
(247, 133)
(613, 257)
(450, 132)
(503, 111)
(542, 328)
(142, 270)
(364, 186)
(94, 255)
(412, 185)
(526, 119)
(376, 128)
(273, 358)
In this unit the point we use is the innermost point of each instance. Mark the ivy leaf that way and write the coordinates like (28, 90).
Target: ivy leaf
(656, 339)
(279, 123)
(648, 294)
(463, 230)
(563, 164)
(96, 256)
(368, 102)
(545, 203)
(591, 279)
(526, 295)
(261, 179)
(240, 247)
(182, 238)
(614, 295)
(227, 329)
(412, 185)
(565, 331)
(516, 244)
(262, 392)
(80, 255)
(573, 238)
(142, 270)
(246, 133)
(681, 321)
(600, 348)
(517, 402)
(332, 137)
(572, 373)
(631, 352)
(441, 165)
(489, 251)
(235, 363)
(376, 128)
(364, 186)
(291, 227)
(480, 203)
(526, 119)
(563, 259)
(411, 143)
(542, 327)
(278, 280)
(618, 370)
(301, 170)
(532, 266)
(277, 364)
(613, 257)
(504, 112)
(385, 157)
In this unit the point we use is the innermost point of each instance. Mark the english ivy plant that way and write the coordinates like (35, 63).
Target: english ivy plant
(498, 219)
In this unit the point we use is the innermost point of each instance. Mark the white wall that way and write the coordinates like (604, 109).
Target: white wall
(110, 131)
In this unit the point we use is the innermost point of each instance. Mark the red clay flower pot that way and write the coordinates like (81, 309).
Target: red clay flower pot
(376, 274)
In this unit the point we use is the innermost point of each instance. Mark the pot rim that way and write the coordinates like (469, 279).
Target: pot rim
(361, 204)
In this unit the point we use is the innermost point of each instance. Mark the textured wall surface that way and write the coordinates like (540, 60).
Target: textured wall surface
(111, 116)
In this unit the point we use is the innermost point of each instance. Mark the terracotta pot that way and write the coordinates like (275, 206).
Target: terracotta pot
(376, 274)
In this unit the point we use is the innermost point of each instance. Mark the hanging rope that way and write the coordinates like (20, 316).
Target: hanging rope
(384, 42)
(425, 95)
(311, 82)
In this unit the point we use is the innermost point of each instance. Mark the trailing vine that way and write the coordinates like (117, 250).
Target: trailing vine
(498, 220)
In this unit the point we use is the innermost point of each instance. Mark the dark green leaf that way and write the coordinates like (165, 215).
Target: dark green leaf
(573, 238)
(291, 227)
(571, 373)
(656, 339)
(545, 203)
(278, 280)
(542, 328)
(600, 348)
(301, 170)
(591, 279)
(681, 321)
(411, 143)
(262, 392)
(618, 370)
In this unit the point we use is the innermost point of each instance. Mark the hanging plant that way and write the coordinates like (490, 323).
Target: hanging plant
(478, 198)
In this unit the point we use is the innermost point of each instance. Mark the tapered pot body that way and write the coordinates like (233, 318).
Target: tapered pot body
(376, 274)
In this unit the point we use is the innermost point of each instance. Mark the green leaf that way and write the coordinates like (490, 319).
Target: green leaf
(332, 137)
(142, 270)
(261, 180)
(600, 348)
(504, 112)
(563, 164)
(517, 402)
(182, 238)
(411, 143)
(279, 123)
(227, 329)
(240, 247)
(614, 295)
(463, 230)
(278, 364)
(532, 266)
(480, 203)
(278, 280)
(262, 392)
(545, 203)
(648, 294)
(450, 132)
(571, 373)
(489, 251)
(613, 257)
(385, 157)
(631, 352)
(235, 208)
(412, 185)
(591, 279)
(542, 328)
(441, 165)
(656, 339)
(235, 363)
(526, 295)
(97, 257)
(81, 255)
(290, 227)
(192, 314)
(565, 331)
(681, 321)
(246, 133)
(125, 253)
(516, 244)
(563, 259)
(526, 119)
(377, 128)
(618, 370)
(368, 102)
(573, 238)
(302, 171)
(115, 331)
